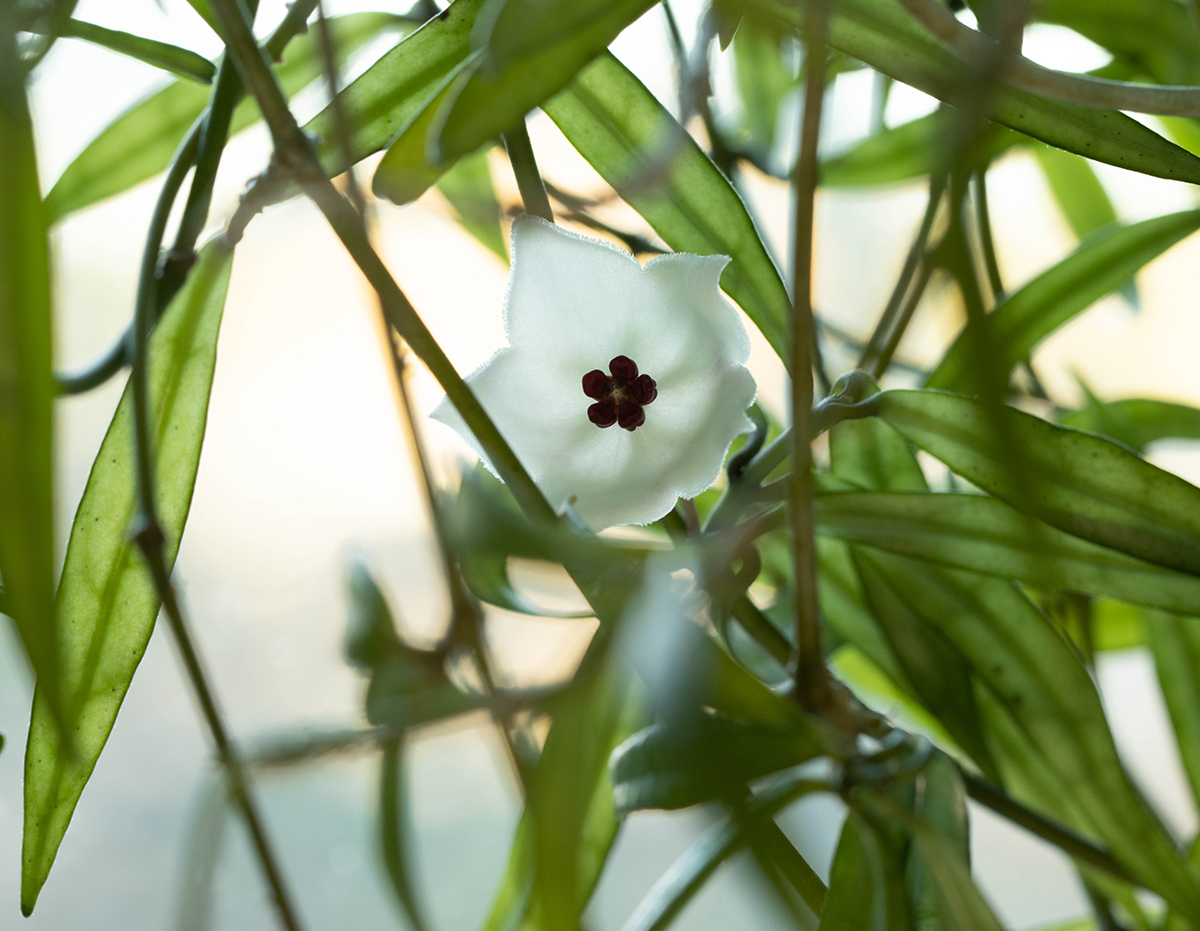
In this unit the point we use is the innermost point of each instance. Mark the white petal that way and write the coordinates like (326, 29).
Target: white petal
(575, 303)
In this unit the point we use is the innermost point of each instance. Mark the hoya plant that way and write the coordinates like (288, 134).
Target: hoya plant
(892, 592)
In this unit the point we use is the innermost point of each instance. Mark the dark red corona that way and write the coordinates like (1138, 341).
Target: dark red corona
(620, 396)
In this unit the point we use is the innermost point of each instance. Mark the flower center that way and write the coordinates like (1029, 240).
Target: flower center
(619, 396)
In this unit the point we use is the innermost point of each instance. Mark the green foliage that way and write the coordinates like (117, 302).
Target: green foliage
(106, 601)
(178, 61)
(26, 383)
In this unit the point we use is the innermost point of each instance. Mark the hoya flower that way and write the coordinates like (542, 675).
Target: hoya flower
(622, 386)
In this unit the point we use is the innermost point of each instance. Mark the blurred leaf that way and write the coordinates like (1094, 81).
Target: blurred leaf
(204, 9)
(529, 50)
(26, 382)
(850, 905)
(1136, 422)
(1175, 643)
(986, 535)
(370, 632)
(766, 73)
(688, 874)
(1079, 193)
(468, 188)
(932, 663)
(1029, 315)
(394, 91)
(488, 528)
(179, 61)
(941, 803)
(1037, 677)
(570, 803)
(882, 34)
(405, 172)
(107, 602)
(701, 758)
(614, 122)
(910, 150)
(1116, 626)
(396, 831)
(1156, 35)
(871, 455)
(1083, 484)
(139, 143)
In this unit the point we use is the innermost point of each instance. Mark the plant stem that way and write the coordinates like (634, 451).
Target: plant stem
(148, 533)
(986, 241)
(294, 153)
(1065, 839)
(809, 666)
(869, 360)
(529, 179)
(904, 318)
(1084, 90)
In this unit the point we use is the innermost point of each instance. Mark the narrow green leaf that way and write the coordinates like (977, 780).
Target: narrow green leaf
(932, 663)
(614, 122)
(1036, 675)
(850, 905)
(26, 382)
(530, 50)
(941, 803)
(573, 824)
(1137, 422)
(1080, 483)
(1175, 643)
(765, 71)
(871, 455)
(139, 143)
(910, 150)
(882, 34)
(179, 61)
(1026, 317)
(389, 95)
(1080, 195)
(701, 758)
(960, 905)
(1155, 35)
(405, 172)
(468, 187)
(396, 831)
(107, 602)
(985, 535)
(204, 9)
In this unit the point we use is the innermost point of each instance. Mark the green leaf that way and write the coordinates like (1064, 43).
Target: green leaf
(871, 455)
(985, 535)
(572, 822)
(1079, 193)
(882, 34)
(468, 187)
(528, 50)
(26, 382)
(1175, 643)
(850, 904)
(939, 673)
(700, 758)
(941, 803)
(139, 143)
(107, 602)
(405, 172)
(204, 9)
(765, 73)
(395, 828)
(1080, 483)
(389, 95)
(1038, 678)
(615, 123)
(910, 150)
(1155, 35)
(172, 58)
(1137, 422)
(1028, 316)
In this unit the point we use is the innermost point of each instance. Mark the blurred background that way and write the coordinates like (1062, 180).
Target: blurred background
(305, 465)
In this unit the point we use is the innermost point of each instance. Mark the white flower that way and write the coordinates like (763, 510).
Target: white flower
(659, 352)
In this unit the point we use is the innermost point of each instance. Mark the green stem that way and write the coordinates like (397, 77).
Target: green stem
(1065, 839)
(986, 240)
(393, 828)
(904, 318)
(524, 166)
(293, 150)
(869, 361)
(809, 671)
